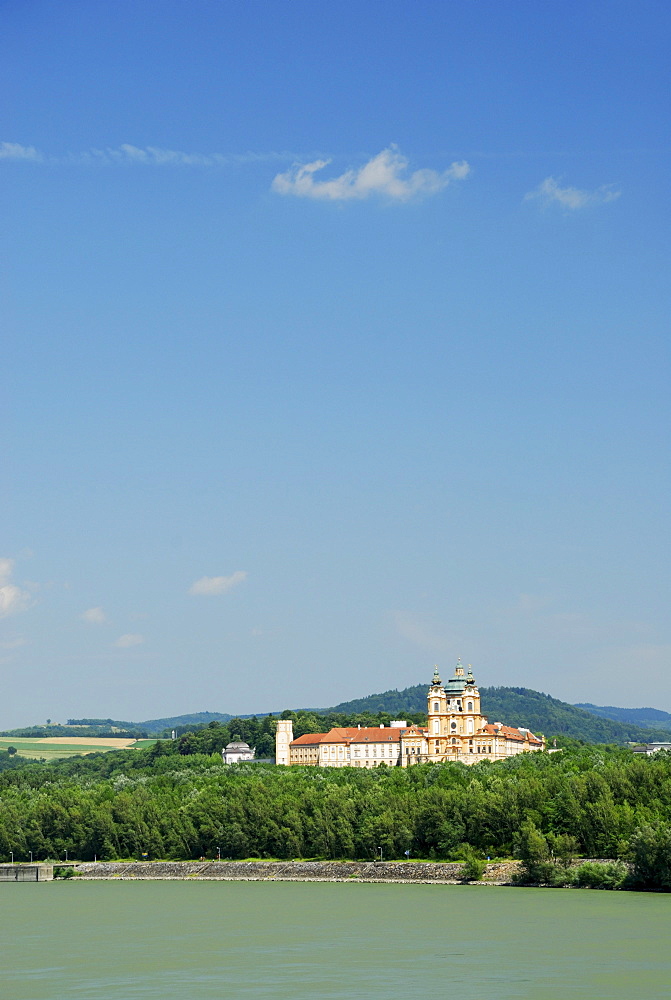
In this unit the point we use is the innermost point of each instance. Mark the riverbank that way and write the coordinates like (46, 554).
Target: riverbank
(447, 873)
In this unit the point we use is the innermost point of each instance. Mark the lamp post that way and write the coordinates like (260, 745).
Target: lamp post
(31, 857)
(380, 850)
(12, 856)
(66, 854)
(218, 854)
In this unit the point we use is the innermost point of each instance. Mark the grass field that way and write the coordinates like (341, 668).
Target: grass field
(56, 747)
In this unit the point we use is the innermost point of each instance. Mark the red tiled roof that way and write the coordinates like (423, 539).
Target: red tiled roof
(352, 734)
(508, 733)
(311, 739)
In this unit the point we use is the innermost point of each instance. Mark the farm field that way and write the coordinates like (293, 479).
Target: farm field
(55, 747)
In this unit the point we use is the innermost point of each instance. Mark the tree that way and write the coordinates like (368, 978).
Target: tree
(533, 851)
(11, 751)
(650, 855)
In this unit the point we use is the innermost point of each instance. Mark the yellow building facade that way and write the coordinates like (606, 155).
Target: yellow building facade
(456, 730)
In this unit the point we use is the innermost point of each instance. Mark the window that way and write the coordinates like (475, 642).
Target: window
(470, 706)
(453, 725)
(436, 706)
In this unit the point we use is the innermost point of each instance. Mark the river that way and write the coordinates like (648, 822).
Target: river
(123, 940)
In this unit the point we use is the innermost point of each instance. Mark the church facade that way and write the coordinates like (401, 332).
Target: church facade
(456, 730)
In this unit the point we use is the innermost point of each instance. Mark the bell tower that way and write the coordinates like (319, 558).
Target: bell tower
(436, 710)
(283, 737)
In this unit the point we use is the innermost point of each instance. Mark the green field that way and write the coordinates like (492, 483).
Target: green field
(48, 750)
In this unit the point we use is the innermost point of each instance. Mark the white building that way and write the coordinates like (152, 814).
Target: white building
(237, 751)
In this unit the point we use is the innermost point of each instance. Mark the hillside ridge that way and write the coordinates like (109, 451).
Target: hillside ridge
(514, 706)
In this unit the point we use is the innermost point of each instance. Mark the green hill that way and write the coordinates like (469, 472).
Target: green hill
(154, 726)
(516, 707)
(649, 718)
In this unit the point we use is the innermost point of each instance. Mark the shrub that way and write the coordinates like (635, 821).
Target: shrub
(474, 869)
(64, 873)
(600, 875)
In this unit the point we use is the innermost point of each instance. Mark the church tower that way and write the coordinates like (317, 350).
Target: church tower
(283, 737)
(454, 714)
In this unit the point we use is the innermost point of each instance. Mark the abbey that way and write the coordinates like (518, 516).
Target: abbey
(456, 731)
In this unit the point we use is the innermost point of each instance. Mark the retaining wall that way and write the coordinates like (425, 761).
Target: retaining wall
(322, 871)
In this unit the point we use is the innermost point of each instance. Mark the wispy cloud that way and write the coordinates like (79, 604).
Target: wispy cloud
(210, 586)
(129, 639)
(385, 175)
(13, 599)
(550, 192)
(128, 154)
(14, 643)
(14, 151)
(424, 633)
(95, 616)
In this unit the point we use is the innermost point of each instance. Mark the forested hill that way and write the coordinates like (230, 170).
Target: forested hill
(156, 726)
(650, 718)
(516, 707)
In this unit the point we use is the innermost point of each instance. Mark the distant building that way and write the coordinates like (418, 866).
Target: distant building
(650, 748)
(234, 753)
(456, 731)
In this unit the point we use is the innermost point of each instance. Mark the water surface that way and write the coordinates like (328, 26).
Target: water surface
(322, 941)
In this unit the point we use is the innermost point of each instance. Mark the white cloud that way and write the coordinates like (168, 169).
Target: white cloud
(96, 616)
(6, 569)
(13, 599)
(549, 192)
(210, 586)
(130, 639)
(14, 151)
(382, 175)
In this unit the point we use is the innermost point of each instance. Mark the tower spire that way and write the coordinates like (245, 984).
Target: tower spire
(436, 675)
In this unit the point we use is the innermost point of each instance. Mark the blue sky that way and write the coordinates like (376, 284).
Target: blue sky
(336, 345)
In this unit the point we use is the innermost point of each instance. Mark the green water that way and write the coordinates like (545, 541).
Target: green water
(317, 941)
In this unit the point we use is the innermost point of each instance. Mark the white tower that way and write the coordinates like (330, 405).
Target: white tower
(283, 737)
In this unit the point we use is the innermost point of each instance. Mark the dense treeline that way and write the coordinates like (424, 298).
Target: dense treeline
(176, 806)
(260, 733)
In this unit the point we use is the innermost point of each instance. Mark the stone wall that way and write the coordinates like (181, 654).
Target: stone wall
(331, 871)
